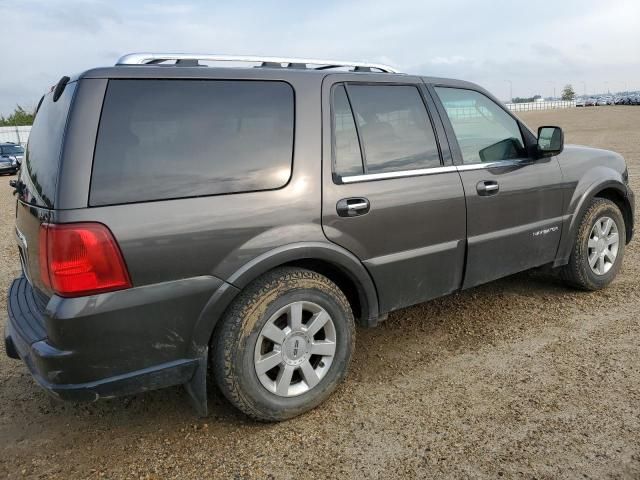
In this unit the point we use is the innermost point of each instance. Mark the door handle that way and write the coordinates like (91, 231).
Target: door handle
(487, 187)
(352, 207)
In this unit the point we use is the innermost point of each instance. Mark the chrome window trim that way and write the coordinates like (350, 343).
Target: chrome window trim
(399, 174)
(426, 171)
(481, 166)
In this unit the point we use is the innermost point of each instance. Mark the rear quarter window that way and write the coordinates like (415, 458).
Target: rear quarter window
(166, 139)
(46, 139)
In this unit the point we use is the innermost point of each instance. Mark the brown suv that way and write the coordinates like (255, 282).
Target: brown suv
(174, 219)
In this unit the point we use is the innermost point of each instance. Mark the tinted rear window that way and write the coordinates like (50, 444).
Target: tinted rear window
(391, 125)
(11, 150)
(163, 139)
(394, 126)
(42, 159)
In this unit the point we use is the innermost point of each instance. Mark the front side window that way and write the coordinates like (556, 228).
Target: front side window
(485, 132)
(392, 125)
(163, 139)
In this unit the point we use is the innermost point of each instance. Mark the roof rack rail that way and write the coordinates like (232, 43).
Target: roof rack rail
(155, 58)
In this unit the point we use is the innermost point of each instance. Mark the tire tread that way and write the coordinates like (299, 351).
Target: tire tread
(233, 330)
(575, 272)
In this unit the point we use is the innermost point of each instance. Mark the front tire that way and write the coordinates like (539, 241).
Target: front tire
(284, 345)
(598, 247)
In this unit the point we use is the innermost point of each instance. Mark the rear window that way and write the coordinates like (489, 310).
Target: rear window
(164, 139)
(387, 126)
(42, 159)
(395, 129)
(11, 150)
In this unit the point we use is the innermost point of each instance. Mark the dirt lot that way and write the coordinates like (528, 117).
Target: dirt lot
(520, 378)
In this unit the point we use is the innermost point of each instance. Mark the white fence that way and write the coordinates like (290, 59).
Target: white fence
(525, 107)
(15, 134)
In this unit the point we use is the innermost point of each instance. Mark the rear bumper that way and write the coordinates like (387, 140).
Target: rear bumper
(158, 376)
(101, 346)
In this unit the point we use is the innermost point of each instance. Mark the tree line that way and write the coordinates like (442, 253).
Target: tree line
(19, 117)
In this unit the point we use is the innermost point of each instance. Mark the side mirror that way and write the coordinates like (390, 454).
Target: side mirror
(550, 141)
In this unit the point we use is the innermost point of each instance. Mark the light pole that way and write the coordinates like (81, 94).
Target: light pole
(606, 87)
(554, 88)
(584, 88)
(510, 90)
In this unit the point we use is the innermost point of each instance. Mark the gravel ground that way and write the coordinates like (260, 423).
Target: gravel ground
(521, 378)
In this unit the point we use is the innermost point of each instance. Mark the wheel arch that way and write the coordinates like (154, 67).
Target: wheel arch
(356, 295)
(336, 263)
(613, 190)
(623, 203)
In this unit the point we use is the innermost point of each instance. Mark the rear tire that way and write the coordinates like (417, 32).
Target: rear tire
(284, 345)
(598, 247)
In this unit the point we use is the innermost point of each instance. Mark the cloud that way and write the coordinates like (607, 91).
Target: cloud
(531, 44)
(89, 17)
(453, 60)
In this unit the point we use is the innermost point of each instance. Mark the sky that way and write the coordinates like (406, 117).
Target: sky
(528, 47)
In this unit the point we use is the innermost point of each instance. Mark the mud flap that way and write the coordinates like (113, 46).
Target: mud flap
(197, 386)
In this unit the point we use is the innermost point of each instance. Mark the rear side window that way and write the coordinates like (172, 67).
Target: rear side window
(348, 160)
(39, 172)
(484, 131)
(164, 139)
(393, 127)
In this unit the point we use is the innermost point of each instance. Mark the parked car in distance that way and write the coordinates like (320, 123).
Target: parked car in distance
(601, 101)
(311, 196)
(8, 165)
(9, 155)
(11, 151)
(590, 102)
(581, 102)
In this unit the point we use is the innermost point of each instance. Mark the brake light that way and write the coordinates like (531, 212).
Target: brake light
(81, 259)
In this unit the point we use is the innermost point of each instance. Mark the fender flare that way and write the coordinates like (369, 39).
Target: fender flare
(573, 222)
(330, 253)
(337, 256)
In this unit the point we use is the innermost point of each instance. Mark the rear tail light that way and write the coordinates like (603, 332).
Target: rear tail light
(81, 259)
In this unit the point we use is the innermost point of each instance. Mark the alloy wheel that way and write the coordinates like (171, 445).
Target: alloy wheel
(295, 349)
(603, 244)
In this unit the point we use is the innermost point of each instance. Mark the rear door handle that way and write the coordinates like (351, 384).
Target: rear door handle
(487, 187)
(352, 207)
